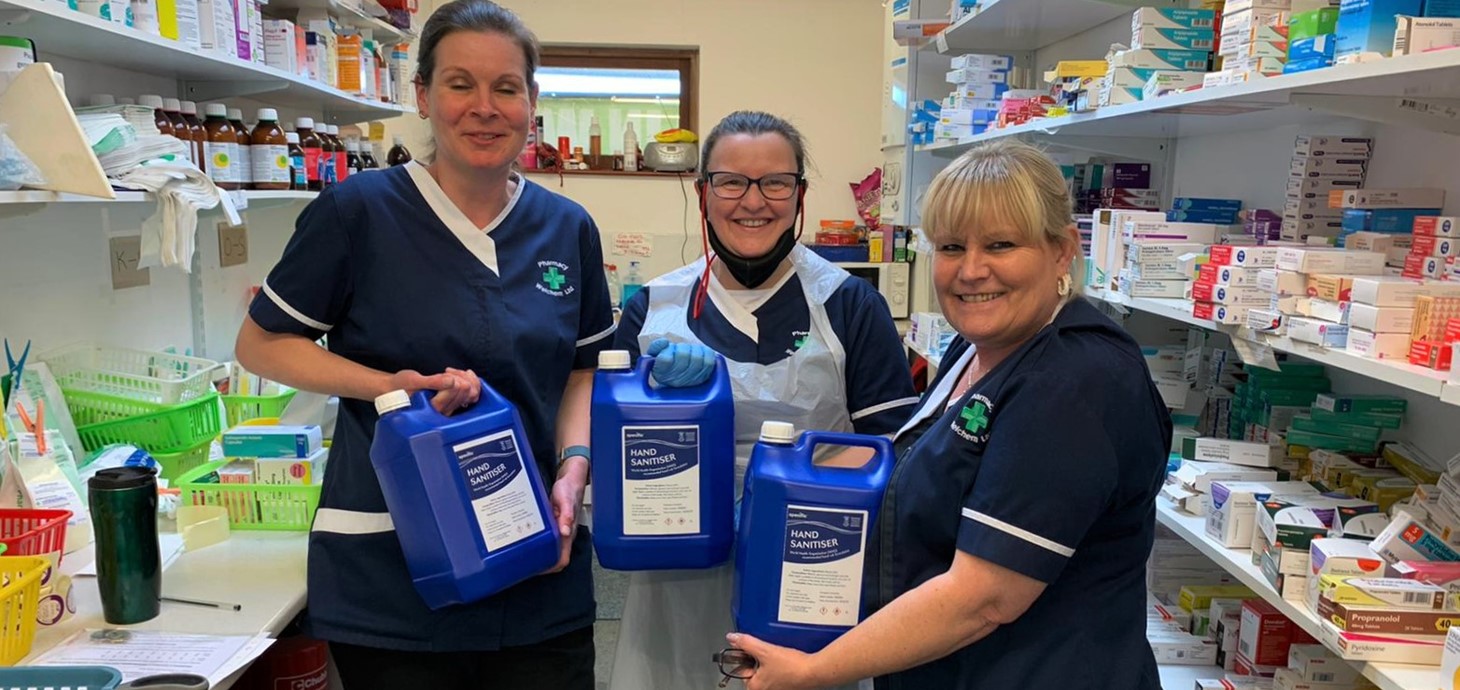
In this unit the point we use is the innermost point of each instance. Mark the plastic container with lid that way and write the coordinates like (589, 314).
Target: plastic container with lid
(270, 152)
(802, 586)
(313, 148)
(195, 128)
(664, 468)
(464, 494)
(298, 180)
(221, 147)
(159, 116)
(243, 166)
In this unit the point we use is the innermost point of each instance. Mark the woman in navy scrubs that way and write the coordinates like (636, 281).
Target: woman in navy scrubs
(804, 341)
(1011, 548)
(426, 277)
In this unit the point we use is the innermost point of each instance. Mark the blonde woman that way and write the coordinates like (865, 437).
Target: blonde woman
(1025, 486)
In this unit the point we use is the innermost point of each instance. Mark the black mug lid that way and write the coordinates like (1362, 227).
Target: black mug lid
(122, 478)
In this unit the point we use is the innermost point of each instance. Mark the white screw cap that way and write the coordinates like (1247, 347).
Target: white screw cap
(268, 114)
(392, 401)
(172, 105)
(613, 359)
(216, 110)
(778, 432)
(304, 123)
(150, 100)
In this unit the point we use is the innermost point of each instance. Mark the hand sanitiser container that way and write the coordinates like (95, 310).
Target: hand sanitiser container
(800, 585)
(465, 496)
(663, 468)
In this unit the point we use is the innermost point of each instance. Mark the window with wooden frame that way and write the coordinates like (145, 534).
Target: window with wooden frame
(653, 88)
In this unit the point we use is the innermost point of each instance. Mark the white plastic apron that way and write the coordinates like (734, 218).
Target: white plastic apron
(674, 620)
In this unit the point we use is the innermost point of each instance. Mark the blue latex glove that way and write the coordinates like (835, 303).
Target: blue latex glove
(680, 365)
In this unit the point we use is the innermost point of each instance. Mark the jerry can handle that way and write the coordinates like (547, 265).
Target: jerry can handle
(881, 444)
(422, 398)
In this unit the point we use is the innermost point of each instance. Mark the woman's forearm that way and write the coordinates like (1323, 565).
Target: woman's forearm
(297, 361)
(574, 412)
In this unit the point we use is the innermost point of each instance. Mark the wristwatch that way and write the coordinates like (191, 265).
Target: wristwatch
(570, 451)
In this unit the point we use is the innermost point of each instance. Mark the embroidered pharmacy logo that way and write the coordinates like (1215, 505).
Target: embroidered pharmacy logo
(798, 341)
(973, 420)
(552, 279)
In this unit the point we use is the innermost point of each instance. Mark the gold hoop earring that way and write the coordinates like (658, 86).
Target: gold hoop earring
(1065, 285)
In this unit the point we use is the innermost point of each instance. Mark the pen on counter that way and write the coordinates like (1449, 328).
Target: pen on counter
(203, 602)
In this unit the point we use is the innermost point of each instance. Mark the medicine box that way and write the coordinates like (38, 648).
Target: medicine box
(1383, 220)
(1316, 331)
(1395, 593)
(1318, 188)
(983, 62)
(1332, 145)
(984, 92)
(1324, 260)
(1230, 276)
(1250, 257)
(1164, 81)
(1173, 18)
(1396, 291)
(1265, 634)
(1159, 38)
(1130, 78)
(1199, 476)
(1141, 251)
(1414, 35)
(1231, 515)
(1374, 345)
(292, 471)
(1408, 539)
(1393, 198)
(272, 441)
(1189, 60)
(1431, 245)
(1310, 166)
(1313, 48)
(1377, 241)
(1368, 26)
(1313, 23)
(976, 76)
(1438, 226)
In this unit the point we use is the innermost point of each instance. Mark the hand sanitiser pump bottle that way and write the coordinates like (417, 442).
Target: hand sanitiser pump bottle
(465, 496)
(800, 583)
(663, 468)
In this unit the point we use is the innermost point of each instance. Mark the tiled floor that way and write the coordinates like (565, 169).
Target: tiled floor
(609, 588)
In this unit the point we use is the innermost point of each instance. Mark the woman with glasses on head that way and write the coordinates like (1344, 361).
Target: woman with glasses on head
(805, 344)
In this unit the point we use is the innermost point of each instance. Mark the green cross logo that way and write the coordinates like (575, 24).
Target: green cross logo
(801, 341)
(553, 278)
(975, 417)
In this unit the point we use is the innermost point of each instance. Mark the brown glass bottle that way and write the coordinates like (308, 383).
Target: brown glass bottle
(298, 181)
(195, 128)
(329, 173)
(270, 152)
(313, 153)
(159, 118)
(172, 108)
(222, 144)
(243, 166)
(398, 155)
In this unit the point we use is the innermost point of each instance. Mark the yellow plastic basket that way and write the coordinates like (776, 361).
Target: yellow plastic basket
(19, 599)
(284, 508)
(242, 408)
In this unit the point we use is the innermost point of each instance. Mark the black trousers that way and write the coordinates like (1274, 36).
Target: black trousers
(561, 663)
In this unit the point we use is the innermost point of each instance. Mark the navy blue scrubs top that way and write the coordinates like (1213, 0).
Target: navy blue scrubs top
(398, 278)
(880, 394)
(1048, 466)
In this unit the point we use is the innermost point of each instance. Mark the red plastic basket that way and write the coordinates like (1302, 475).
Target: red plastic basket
(33, 532)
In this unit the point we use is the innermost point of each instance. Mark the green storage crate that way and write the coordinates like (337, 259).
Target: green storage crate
(102, 419)
(241, 408)
(175, 465)
(285, 508)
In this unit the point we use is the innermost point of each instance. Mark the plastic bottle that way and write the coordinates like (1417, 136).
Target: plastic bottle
(244, 164)
(298, 179)
(313, 148)
(159, 116)
(352, 157)
(270, 152)
(808, 593)
(172, 107)
(615, 288)
(632, 283)
(221, 148)
(195, 128)
(595, 139)
(398, 155)
(664, 468)
(464, 494)
(631, 148)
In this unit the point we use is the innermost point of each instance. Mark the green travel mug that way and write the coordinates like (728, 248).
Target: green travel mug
(128, 559)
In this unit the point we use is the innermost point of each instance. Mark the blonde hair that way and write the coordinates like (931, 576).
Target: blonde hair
(1009, 182)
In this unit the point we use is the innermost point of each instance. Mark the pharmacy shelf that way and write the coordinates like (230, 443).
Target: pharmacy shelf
(1415, 378)
(934, 360)
(58, 30)
(1239, 564)
(250, 199)
(347, 14)
(1185, 677)
(1026, 25)
(1389, 90)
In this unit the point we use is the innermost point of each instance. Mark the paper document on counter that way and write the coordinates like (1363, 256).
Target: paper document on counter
(140, 653)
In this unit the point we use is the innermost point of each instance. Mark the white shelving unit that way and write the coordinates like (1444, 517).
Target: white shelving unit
(58, 30)
(1020, 25)
(40, 197)
(1408, 376)
(1185, 677)
(1239, 564)
(349, 15)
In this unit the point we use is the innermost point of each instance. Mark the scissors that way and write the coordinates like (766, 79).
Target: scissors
(14, 371)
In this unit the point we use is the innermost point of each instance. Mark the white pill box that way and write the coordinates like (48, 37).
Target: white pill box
(1309, 260)
(1312, 166)
(1374, 319)
(1172, 18)
(988, 63)
(1394, 291)
(1394, 198)
(1317, 331)
(1231, 296)
(1331, 145)
(1160, 38)
(1142, 252)
(272, 441)
(1252, 257)
(1282, 283)
(1377, 345)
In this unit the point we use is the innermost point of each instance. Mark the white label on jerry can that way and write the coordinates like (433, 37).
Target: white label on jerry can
(500, 489)
(661, 480)
(821, 566)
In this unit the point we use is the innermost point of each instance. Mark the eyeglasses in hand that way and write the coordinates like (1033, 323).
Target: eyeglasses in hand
(775, 186)
(735, 664)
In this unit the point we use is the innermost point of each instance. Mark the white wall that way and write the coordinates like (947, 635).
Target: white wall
(815, 62)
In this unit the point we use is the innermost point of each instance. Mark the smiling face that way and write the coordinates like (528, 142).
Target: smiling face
(479, 101)
(751, 225)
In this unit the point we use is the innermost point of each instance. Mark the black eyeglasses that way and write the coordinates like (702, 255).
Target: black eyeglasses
(735, 664)
(775, 186)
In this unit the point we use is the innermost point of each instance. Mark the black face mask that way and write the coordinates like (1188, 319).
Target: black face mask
(752, 272)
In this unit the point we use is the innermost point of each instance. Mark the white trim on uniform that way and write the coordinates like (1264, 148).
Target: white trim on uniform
(291, 311)
(477, 240)
(597, 336)
(339, 521)
(935, 400)
(1013, 531)
(883, 407)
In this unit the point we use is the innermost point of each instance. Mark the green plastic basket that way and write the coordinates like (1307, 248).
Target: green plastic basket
(175, 465)
(252, 506)
(241, 408)
(102, 419)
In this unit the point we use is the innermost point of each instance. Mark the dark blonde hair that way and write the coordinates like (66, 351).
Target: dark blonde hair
(1004, 181)
(474, 15)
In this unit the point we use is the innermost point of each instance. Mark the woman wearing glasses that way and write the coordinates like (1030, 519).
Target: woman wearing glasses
(804, 345)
